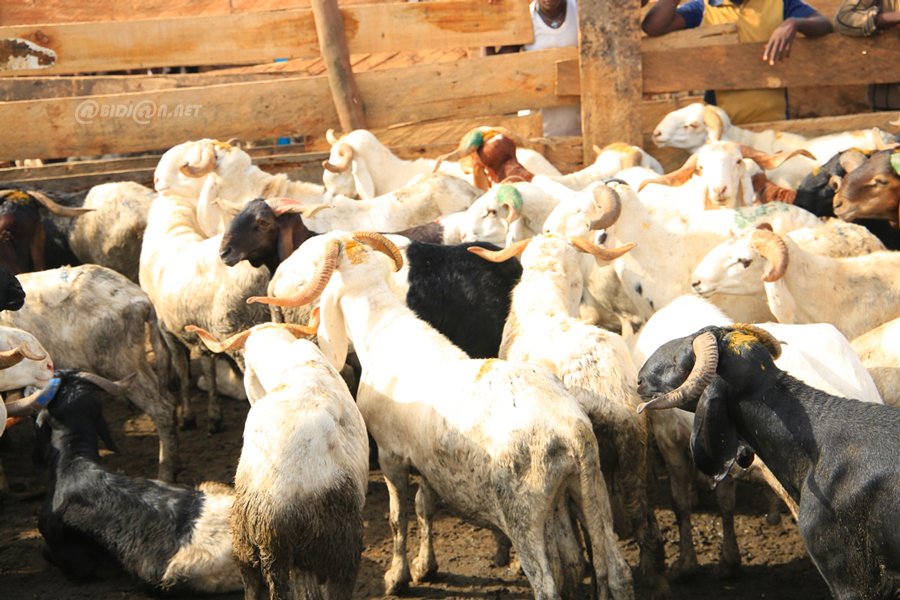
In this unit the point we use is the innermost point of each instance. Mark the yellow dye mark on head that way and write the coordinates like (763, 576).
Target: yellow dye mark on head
(486, 366)
(18, 196)
(620, 147)
(222, 145)
(356, 253)
(738, 341)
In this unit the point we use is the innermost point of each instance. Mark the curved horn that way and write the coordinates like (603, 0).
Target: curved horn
(330, 137)
(607, 254)
(471, 142)
(9, 358)
(677, 177)
(771, 247)
(714, 126)
(771, 161)
(510, 197)
(205, 166)
(706, 351)
(26, 406)
(345, 155)
(115, 388)
(766, 339)
(500, 255)
(285, 205)
(58, 209)
(314, 287)
(235, 342)
(378, 242)
(609, 204)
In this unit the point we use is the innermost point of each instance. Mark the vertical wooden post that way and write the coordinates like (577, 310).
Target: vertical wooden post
(333, 46)
(609, 44)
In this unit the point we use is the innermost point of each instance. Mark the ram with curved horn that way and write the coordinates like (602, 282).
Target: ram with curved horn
(24, 364)
(836, 457)
(414, 380)
(303, 418)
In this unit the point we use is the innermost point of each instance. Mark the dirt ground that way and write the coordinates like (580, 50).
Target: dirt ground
(775, 566)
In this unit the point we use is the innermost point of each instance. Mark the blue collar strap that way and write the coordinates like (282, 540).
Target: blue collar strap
(49, 392)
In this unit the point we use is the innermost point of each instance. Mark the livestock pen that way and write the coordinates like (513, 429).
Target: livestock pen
(98, 90)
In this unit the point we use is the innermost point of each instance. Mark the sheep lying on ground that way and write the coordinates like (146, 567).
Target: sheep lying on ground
(696, 124)
(595, 367)
(802, 287)
(502, 443)
(837, 458)
(169, 537)
(94, 319)
(301, 480)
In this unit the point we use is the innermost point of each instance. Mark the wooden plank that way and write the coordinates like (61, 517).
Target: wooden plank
(711, 35)
(259, 37)
(292, 106)
(826, 125)
(609, 46)
(30, 12)
(336, 55)
(852, 61)
(824, 101)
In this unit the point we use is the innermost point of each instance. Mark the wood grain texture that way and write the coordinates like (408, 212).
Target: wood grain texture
(258, 37)
(336, 56)
(610, 77)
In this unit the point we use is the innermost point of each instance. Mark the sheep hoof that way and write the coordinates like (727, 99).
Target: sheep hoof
(396, 585)
(773, 518)
(423, 572)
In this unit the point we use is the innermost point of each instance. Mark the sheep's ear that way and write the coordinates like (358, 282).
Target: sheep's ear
(714, 440)
(851, 159)
(332, 333)
(209, 214)
(365, 187)
(252, 386)
(103, 432)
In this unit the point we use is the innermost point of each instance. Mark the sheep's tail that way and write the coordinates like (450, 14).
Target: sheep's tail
(611, 574)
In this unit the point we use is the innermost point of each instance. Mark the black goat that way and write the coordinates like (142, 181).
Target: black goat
(817, 190)
(837, 458)
(12, 296)
(166, 536)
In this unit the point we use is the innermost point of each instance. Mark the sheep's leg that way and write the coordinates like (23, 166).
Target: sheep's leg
(503, 546)
(276, 569)
(213, 407)
(307, 586)
(396, 476)
(181, 365)
(4, 484)
(528, 537)
(254, 584)
(424, 566)
(730, 558)
(161, 408)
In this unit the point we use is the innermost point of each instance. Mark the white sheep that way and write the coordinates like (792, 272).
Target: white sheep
(510, 212)
(817, 354)
(502, 443)
(181, 272)
(360, 166)
(219, 178)
(596, 368)
(879, 351)
(802, 287)
(669, 243)
(610, 162)
(301, 480)
(696, 124)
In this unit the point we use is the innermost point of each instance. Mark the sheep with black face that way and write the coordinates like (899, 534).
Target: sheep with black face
(835, 457)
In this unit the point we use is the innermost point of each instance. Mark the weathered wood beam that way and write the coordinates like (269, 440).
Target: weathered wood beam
(333, 46)
(609, 45)
(258, 37)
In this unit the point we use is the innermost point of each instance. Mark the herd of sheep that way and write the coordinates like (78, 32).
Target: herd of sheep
(518, 338)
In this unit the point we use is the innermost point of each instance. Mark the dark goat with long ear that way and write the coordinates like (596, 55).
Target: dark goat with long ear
(166, 536)
(261, 235)
(871, 189)
(837, 458)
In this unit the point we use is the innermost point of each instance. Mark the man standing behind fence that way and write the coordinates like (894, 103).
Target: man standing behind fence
(555, 24)
(776, 22)
(859, 18)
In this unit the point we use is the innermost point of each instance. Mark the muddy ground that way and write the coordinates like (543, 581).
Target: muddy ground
(775, 566)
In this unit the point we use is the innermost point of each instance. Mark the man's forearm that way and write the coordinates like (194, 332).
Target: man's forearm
(886, 20)
(813, 27)
(660, 17)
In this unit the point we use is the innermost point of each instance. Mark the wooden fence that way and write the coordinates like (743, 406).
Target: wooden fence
(52, 105)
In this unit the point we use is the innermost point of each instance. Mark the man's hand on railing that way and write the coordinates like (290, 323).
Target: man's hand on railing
(779, 46)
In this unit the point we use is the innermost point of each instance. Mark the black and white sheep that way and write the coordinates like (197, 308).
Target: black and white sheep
(166, 536)
(837, 458)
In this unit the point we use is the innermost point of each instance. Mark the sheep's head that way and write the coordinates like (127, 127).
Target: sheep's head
(703, 372)
(23, 360)
(182, 169)
(871, 187)
(596, 207)
(616, 157)
(489, 217)
(691, 126)
(737, 266)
